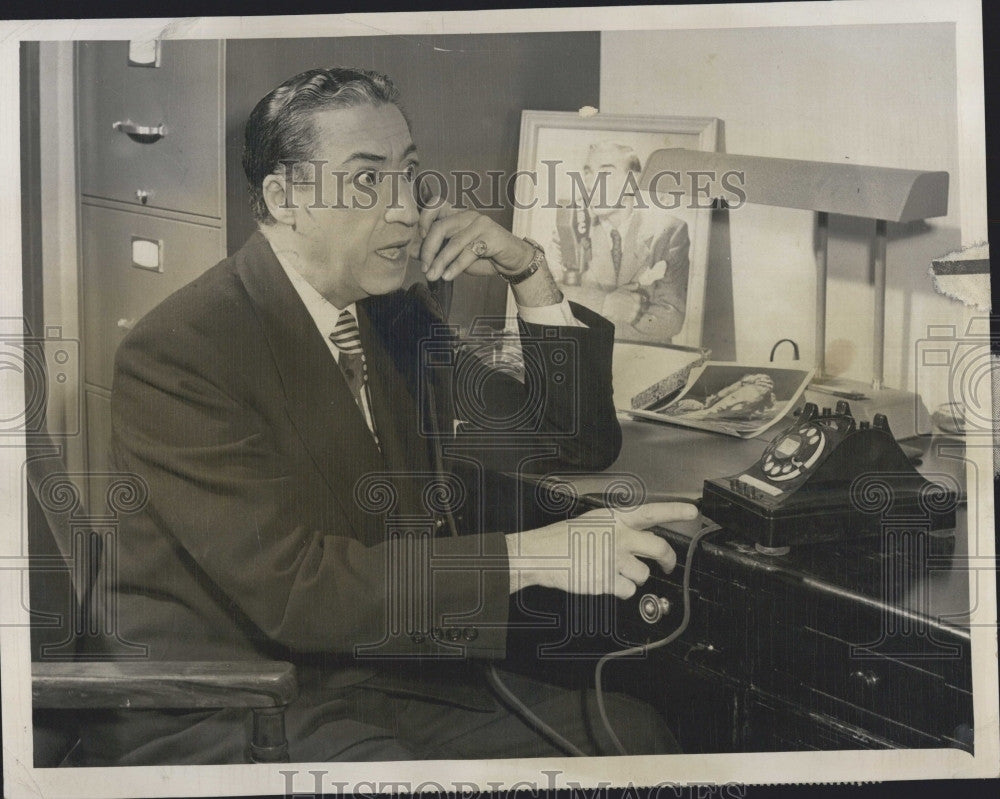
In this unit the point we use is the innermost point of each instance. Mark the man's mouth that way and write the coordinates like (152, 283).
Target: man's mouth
(395, 253)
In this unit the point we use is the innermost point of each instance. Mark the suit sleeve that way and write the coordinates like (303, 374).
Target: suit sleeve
(554, 411)
(226, 493)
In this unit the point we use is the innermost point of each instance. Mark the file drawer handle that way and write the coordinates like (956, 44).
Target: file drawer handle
(144, 134)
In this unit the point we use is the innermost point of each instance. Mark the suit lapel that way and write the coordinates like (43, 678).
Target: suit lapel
(319, 401)
(391, 342)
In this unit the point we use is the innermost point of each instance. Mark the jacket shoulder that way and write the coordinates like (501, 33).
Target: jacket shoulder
(197, 328)
(210, 298)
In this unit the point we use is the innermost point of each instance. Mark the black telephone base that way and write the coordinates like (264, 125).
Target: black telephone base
(827, 479)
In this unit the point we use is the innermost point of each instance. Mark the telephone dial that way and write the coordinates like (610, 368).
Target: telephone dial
(824, 478)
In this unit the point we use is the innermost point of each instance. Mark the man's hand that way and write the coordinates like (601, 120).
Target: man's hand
(597, 552)
(447, 250)
(448, 239)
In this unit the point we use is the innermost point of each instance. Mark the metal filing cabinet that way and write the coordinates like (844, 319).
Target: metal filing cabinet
(152, 135)
(150, 123)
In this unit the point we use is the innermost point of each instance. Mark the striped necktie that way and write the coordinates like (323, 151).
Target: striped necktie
(347, 338)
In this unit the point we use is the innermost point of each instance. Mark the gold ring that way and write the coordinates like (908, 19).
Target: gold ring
(479, 247)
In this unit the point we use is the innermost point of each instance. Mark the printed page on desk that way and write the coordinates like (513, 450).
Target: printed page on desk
(736, 399)
(644, 375)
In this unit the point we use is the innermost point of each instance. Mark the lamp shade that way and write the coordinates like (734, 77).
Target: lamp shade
(873, 192)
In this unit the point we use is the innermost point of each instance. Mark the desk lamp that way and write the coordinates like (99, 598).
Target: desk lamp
(879, 193)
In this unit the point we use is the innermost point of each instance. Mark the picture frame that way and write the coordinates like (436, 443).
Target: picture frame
(640, 286)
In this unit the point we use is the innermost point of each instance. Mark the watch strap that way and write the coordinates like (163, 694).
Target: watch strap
(533, 266)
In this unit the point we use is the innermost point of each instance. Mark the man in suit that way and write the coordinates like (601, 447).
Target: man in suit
(318, 462)
(628, 262)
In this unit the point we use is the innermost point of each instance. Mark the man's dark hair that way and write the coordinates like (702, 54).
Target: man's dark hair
(280, 127)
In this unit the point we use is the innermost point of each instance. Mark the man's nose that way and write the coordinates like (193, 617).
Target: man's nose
(402, 208)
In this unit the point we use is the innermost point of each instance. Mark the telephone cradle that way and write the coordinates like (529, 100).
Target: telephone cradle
(827, 478)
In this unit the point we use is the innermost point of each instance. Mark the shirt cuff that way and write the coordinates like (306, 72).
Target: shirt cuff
(559, 315)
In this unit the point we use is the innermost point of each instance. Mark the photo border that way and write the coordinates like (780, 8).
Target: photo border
(807, 767)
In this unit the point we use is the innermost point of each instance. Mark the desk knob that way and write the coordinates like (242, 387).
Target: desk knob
(867, 678)
(652, 608)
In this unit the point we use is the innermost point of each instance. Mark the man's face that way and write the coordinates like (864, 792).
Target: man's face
(613, 163)
(356, 244)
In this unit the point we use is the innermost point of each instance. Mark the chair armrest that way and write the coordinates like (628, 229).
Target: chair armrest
(165, 684)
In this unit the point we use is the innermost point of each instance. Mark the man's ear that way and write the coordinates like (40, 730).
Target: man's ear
(279, 201)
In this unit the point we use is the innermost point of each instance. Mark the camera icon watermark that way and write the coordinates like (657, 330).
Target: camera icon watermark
(46, 363)
(963, 365)
(495, 383)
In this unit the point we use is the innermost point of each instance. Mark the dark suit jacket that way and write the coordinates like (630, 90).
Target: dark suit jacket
(275, 528)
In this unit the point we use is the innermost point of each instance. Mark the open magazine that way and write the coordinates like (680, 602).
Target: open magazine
(733, 398)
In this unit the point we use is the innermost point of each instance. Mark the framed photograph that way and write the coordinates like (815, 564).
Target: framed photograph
(638, 260)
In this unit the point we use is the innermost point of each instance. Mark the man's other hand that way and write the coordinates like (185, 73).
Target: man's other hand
(598, 552)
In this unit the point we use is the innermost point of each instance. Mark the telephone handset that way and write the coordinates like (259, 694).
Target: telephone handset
(824, 478)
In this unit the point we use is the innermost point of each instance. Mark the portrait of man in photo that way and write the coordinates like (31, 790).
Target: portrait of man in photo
(622, 258)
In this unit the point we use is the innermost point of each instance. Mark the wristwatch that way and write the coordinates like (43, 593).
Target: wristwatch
(536, 261)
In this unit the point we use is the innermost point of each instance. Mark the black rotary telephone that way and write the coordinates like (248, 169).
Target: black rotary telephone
(827, 478)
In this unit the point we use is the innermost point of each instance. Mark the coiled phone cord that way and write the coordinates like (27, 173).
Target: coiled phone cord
(567, 746)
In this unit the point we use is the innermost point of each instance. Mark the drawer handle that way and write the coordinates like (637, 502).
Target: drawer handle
(126, 324)
(144, 134)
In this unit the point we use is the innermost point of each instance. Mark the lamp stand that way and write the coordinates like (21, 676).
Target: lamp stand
(905, 410)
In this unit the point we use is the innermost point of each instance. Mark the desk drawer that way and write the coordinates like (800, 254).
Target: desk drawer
(116, 292)
(773, 725)
(822, 674)
(182, 171)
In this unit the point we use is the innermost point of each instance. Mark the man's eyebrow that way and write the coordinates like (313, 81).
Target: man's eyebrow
(361, 156)
(376, 157)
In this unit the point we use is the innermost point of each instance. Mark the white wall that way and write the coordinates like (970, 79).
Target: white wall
(882, 95)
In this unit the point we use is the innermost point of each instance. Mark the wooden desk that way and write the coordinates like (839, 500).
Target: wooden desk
(832, 646)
